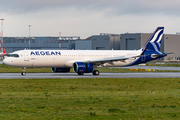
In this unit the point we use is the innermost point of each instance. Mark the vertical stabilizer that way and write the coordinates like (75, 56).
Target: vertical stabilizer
(4, 50)
(154, 42)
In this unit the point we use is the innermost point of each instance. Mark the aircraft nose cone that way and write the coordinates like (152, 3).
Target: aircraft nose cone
(6, 61)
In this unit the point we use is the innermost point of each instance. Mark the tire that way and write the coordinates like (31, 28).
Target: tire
(95, 72)
(80, 73)
(23, 73)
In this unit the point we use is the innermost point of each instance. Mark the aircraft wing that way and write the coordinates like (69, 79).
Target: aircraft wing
(110, 60)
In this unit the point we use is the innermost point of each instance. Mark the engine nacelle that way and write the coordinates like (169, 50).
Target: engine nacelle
(60, 70)
(81, 67)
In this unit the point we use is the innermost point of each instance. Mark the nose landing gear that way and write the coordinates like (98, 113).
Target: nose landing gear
(24, 71)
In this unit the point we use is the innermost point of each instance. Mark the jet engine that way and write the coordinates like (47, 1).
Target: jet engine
(81, 67)
(60, 70)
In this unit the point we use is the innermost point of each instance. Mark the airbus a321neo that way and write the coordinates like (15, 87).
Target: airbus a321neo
(87, 61)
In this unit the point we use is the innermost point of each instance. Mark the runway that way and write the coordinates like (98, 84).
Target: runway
(102, 75)
(89, 75)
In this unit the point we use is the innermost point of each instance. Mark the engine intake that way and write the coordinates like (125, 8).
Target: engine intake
(81, 67)
(60, 70)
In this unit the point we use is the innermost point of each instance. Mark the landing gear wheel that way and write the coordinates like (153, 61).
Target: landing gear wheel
(23, 73)
(95, 72)
(80, 73)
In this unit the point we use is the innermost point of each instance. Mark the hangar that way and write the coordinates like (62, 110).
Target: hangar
(52, 43)
(99, 42)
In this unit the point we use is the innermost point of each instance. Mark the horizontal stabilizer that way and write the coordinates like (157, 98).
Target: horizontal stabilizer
(158, 55)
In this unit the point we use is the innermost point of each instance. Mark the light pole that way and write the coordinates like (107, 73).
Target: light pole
(1, 37)
(59, 40)
(29, 36)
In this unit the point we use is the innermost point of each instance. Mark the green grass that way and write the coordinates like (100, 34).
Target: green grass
(110, 98)
(9, 69)
(164, 65)
(167, 65)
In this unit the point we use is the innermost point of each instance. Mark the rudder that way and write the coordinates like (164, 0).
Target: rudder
(4, 50)
(154, 42)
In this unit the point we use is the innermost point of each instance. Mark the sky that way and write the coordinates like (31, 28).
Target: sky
(88, 17)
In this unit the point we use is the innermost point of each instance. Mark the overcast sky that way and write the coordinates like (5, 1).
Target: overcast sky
(88, 17)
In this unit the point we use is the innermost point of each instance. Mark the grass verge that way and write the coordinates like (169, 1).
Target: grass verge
(110, 98)
(164, 64)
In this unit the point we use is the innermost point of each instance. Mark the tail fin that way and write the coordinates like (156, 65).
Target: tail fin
(154, 42)
(4, 50)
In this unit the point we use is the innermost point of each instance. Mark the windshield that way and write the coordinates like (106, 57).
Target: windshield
(12, 55)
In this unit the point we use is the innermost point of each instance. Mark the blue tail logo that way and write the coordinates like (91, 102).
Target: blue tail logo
(151, 50)
(154, 42)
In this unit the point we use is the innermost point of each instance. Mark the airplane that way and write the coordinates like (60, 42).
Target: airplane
(87, 61)
(4, 52)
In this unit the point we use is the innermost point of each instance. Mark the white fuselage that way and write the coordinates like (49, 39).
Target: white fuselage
(66, 58)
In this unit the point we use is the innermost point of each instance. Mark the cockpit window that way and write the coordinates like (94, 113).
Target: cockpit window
(12, 55)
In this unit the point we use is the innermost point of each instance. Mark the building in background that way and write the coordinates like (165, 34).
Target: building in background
(171, 44)
(130, 41)
(106, 42)
(83, 45)
(47, 43)
(99, 42)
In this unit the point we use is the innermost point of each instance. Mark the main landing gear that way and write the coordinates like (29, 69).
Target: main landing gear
(95, 72)
(80, 73)
(24, 71)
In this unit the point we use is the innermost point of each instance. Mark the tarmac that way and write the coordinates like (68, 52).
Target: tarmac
(89, 75)
(102, 75)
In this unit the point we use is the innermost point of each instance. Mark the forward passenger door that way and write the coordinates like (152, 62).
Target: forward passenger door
(26, 56)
